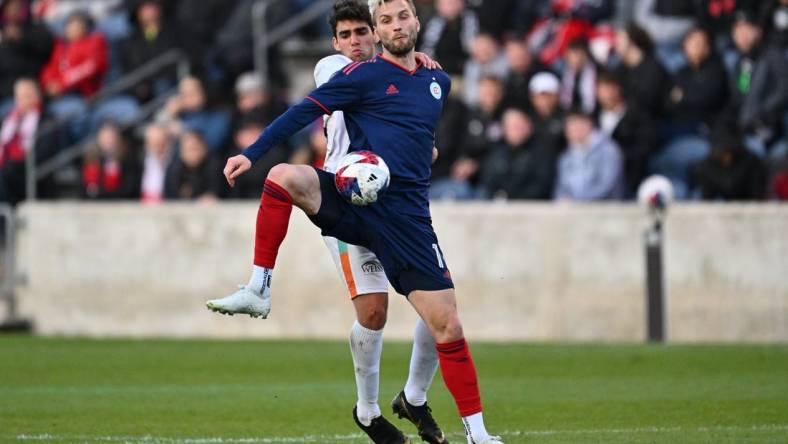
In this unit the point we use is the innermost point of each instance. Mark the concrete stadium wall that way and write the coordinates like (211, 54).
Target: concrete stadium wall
(523, 272)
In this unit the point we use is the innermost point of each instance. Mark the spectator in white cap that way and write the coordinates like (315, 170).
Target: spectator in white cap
(253, 100)
(544, 89)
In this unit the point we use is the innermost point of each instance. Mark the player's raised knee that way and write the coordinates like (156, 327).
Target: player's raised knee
(282, 174)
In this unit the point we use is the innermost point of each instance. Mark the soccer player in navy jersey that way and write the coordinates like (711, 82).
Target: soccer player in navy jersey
(391, 105)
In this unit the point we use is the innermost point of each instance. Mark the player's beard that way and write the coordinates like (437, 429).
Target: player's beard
(401, 47)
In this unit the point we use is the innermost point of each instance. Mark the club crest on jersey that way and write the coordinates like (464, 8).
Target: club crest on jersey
(436, 90)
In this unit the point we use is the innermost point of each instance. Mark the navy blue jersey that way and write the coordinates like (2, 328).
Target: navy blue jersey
(388, 110)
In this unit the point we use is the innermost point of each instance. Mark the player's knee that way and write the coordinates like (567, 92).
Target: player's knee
(282, 174)
(373, 317)
(447, 330)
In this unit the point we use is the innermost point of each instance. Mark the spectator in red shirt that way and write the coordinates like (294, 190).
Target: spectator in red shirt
(79, 61)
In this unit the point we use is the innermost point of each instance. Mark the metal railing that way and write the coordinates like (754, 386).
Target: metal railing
(10, 278)
(265, 38)
(34, 173)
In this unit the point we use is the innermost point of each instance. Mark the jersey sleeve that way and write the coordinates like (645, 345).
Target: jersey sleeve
(281, 129)
(328, 66)
(341, 93)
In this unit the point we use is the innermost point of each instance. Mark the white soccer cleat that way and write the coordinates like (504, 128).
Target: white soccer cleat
(243, 301)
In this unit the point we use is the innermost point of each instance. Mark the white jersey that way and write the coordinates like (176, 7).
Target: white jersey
(338, 139)
(358, 266)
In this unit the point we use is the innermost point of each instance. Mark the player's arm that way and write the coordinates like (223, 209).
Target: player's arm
(337, 94)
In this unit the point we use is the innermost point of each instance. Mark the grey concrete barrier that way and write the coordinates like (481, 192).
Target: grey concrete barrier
(522, 272)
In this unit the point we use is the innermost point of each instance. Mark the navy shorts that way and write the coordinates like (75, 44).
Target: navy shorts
(406, 245)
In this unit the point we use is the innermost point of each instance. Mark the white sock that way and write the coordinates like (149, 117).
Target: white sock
(474, 428)
(261, 278)
(366, 347)
(423, 365)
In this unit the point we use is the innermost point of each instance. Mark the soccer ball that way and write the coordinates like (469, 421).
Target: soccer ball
(362, 176)
(655, 193)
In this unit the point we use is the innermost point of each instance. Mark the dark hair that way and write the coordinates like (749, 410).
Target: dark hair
(580, 43)
(699, 29)
(349, 10)
(578, 111)
(608, 77)
(640, 38)
(84, 17)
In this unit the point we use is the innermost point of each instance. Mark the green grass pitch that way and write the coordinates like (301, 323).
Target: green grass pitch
(204, 392)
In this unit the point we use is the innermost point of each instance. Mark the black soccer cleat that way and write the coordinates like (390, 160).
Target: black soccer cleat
(421, 417)
(381, 431)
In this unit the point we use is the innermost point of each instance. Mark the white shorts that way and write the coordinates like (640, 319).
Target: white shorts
(358, 267)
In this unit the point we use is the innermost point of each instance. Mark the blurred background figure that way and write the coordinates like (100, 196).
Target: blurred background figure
(151, 36)
(700, 88)
(158, 156)
(25, 46)
(486, 60)
(189, 110)
(195, 173)
(482, 130)
(547, 115)
(76, 69)
(111, 169)
(591, 167)
(632, 129)
(520, 167)
(759, 92)
(448, 35)
(730, 172)
(644, 79)
(19, 134)
(578, 80)
(522, 65)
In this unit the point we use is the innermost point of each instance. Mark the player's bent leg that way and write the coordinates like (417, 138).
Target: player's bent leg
(301, 183)
(286, 185)
(439, 311)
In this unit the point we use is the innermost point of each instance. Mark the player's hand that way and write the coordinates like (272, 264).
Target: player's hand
(428, 63)
(434, 154)
(236, 166)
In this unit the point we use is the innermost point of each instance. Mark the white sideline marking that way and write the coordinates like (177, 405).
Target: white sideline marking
(357, 436)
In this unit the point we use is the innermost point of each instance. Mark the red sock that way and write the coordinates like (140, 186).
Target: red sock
(459, 374)
(272, 219)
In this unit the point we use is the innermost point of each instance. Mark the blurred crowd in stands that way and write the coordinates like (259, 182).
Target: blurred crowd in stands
(570, 100)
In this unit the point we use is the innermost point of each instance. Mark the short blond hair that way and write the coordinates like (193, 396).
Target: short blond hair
(374, 4)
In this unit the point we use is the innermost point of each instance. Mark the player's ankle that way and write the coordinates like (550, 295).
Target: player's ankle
(366, 412)
(260, 280)
(474, 428)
